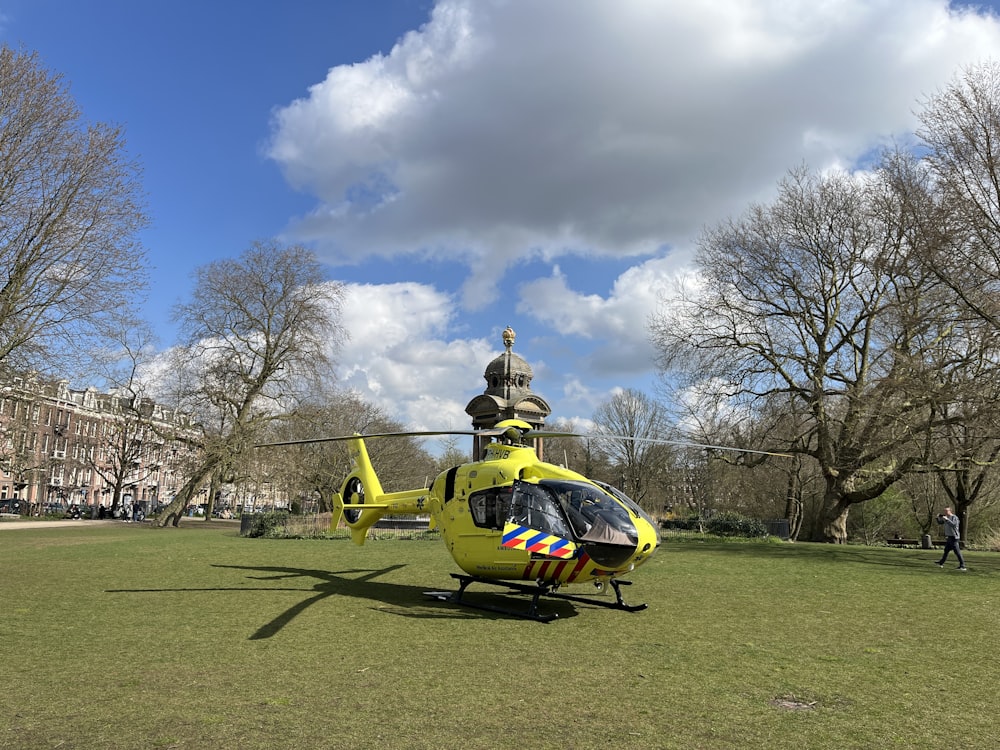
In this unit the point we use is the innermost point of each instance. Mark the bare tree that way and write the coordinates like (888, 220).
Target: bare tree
(576, 450)
(451, 455)
(961, 129)
(317, 470)
(70, 211)
(817, 299)
(115, 453)
(260, 330)
(964, 446)
(952, 197)
(629, 423)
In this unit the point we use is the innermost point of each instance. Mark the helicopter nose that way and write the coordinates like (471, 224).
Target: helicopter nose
(649, 540)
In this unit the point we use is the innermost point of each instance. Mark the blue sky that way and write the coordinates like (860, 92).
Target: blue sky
(464, 165)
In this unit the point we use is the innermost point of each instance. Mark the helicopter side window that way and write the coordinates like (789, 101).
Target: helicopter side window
(535, 508)
(490, 508)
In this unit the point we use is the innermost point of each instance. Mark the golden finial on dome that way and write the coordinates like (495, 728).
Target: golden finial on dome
(508, 338)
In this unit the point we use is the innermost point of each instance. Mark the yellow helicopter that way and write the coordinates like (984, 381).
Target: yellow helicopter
(510, 519)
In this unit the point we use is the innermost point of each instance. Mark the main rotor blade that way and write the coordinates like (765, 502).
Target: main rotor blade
(658, 441)
(707, 446)
(525, 435)
(338, 438)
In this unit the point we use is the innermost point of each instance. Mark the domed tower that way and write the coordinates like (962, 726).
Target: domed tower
(507, 396)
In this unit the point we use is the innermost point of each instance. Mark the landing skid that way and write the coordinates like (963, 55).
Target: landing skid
(618, 603)
(536, 592)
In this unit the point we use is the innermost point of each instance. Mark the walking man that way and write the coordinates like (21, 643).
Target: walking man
(951, 538)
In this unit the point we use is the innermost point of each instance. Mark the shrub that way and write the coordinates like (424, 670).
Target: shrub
(682, 524)
(729, 523)
(726, 523)
(989, 541)
(266, 524)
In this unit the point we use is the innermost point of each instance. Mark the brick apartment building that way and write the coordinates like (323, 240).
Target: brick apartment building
(62, 447)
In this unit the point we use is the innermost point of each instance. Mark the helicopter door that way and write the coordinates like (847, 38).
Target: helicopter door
(535, 508)
(536, 523)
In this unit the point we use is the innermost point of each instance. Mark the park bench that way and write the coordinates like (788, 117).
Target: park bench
(896, 542)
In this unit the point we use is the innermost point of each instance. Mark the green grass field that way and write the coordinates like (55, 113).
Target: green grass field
(130, 637)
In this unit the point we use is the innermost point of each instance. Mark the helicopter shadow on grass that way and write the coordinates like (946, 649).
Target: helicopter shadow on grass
(399, 599)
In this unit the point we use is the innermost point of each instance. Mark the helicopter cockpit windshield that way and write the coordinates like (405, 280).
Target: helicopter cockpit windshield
(632, 504)
(594, 516)
(580, 511)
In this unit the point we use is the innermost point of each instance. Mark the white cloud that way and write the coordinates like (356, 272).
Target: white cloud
(617, 321)
(404, 353)
(505, 132)
(506, 129)
(400, 358)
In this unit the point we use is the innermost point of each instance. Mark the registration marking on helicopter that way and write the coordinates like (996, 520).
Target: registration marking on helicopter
(532, 540)
(496, 452)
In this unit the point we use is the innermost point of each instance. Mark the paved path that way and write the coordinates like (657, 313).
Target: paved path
(6, 525)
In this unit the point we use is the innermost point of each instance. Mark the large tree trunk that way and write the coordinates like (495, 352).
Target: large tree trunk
(173, 513)
(213, 490)
(835, 512)
(793, 501)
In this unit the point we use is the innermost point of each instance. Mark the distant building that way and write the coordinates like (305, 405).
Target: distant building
(508, 395)
(72, 447)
